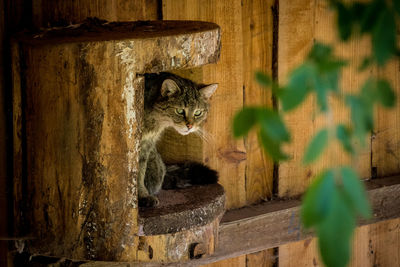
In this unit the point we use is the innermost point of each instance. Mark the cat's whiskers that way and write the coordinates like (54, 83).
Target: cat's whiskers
(204, 135)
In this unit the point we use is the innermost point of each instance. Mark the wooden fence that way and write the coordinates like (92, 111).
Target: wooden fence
(273, 36)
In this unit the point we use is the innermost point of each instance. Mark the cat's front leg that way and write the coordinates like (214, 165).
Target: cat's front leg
(145, 199)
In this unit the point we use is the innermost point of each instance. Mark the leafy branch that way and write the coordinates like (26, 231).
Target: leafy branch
(337, 197)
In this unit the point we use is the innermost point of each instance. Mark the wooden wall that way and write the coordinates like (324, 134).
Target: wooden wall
(300, 23)
(249, 43)
(3, 160)
(248, 177)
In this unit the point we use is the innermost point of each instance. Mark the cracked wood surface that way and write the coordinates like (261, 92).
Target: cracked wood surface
(78, 121)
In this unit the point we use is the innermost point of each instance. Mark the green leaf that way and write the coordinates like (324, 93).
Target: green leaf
(367, 61)
(298, 87)
(331, 65)
(355, 191)
(316, 146)
(368, 92)
(332, 80)
(273, 125)
(344, 21)
(263, 79)
(396, 5)
(370, 16)
(273, 148)
(385, 93)
(244, 120)
(343, 134)
(318, 199)
(384, 37)
(358, 10)
(320, 52)
(321, 90)
(361, 116)
(335, 232)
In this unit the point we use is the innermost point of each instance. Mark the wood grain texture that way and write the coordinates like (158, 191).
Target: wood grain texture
(317, 23)
(47, 13)
(245, 171)
(3, 145)
(82, 139)
(224, 154)
(78, 148)
(257, 27)
(182, 209)
(263, 258)
(234, 262)
(275, 223)
(386, 137)
(373, 245)
(182, 246)
(314, 21)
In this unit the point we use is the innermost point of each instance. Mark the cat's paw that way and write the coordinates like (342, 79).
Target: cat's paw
(149, 201)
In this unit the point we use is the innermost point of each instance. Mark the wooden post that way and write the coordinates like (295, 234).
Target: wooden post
(78, 101)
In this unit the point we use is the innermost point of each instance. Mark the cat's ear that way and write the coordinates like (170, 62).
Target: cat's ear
(209, 90)
(169, 88)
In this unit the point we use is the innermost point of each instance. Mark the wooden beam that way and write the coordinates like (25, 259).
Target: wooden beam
(277, 222)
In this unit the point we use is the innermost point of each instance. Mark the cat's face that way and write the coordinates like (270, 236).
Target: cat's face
(184, 107)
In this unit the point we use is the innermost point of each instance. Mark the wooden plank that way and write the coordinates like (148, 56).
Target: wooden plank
(263, 258)
(314, 21)
(257, 30)
(383, 245)
(373, 245)
(386, 139)
(224, 154)
(300, 24)
(296, 32)
(3, 145)
(276, 223)
(233, 262)
(300, 253)
(52, 13)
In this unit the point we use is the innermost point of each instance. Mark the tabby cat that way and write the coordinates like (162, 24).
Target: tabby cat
(171, 101)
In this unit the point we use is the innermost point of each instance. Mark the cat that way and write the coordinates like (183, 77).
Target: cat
(171, 101)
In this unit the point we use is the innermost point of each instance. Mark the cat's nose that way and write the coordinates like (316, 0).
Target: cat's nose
(189, 125)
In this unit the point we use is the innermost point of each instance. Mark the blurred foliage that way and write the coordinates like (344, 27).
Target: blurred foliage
(337, 196)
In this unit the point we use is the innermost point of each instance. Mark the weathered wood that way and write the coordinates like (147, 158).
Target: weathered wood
(257, 28)
(182, 209)
(223, 153)
(384, 239)
(275, 223)
(301, 23)
(183, 227)
(234, 262)
(263, 258)
(47, 13)
(257, 36)
(179, 246)
(316, 22)
(4, 183)
(386, 135)
(82, 99)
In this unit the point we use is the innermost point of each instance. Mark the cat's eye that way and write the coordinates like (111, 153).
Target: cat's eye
(180, 111)
(198, 112)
